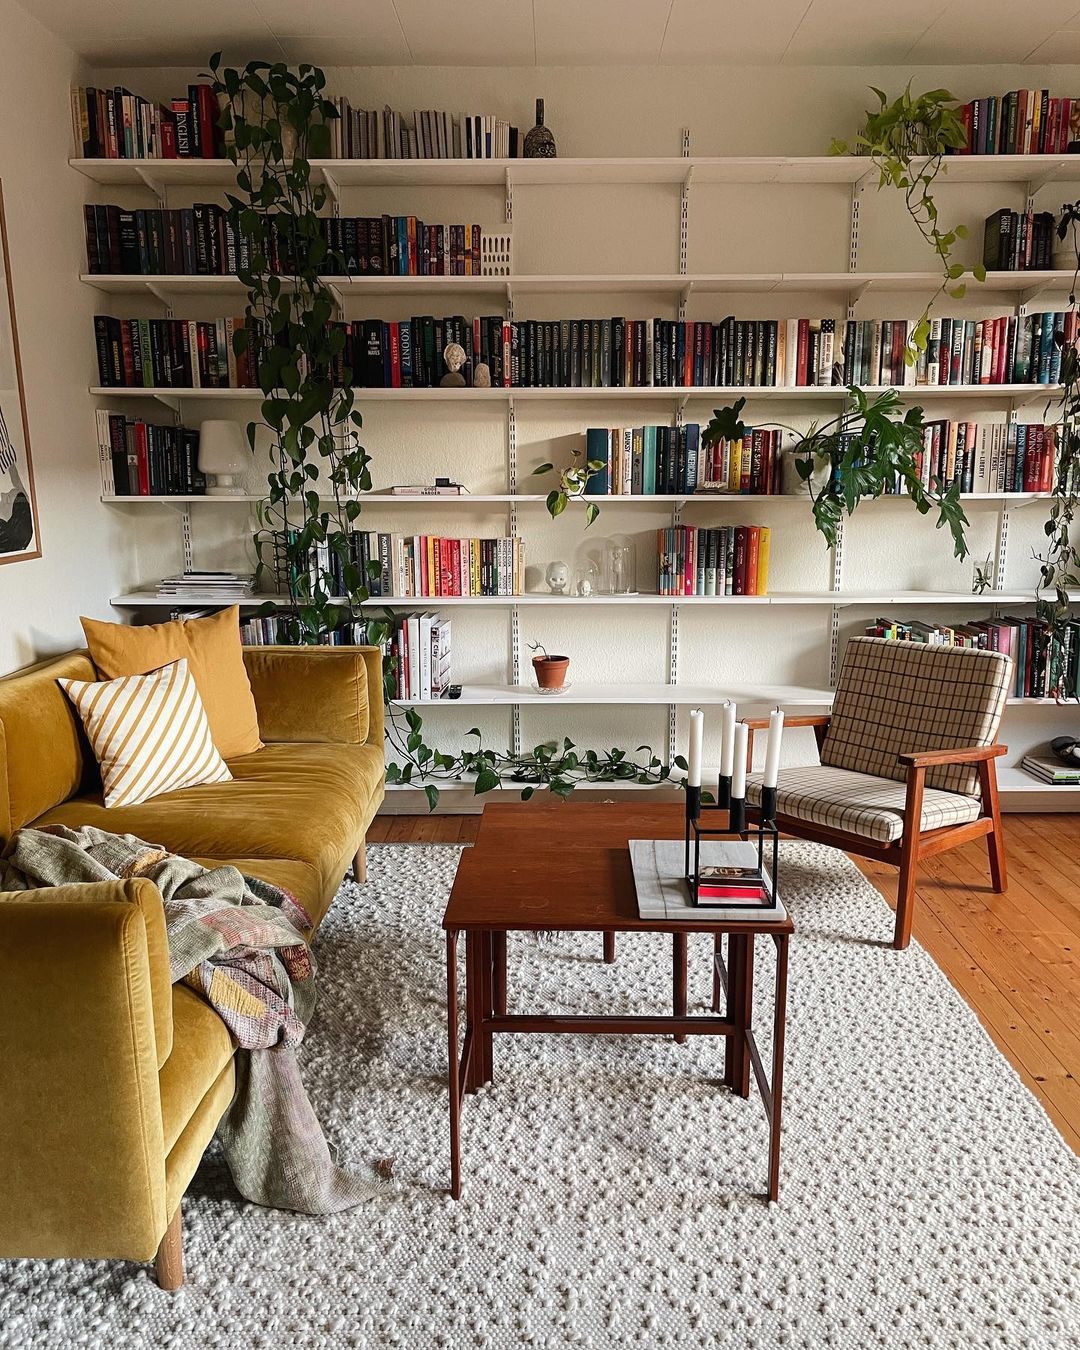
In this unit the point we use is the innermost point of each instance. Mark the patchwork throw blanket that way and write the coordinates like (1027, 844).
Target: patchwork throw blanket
(236, 941)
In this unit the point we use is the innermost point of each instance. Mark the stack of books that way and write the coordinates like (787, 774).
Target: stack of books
(1035, 659)
(357, 133)
(140, 459)
(1016, 241)
(270, 629)
(220, 588)
(1023, 122)
(728, 560)
(1050, 769)
(420, 657)
(117, 124)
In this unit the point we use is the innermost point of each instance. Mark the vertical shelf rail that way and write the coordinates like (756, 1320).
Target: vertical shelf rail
(512, 524)
(680, 404)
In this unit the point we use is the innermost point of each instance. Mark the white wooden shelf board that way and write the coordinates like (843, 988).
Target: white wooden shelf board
(663, 695)
(382, 498)
(809, 170)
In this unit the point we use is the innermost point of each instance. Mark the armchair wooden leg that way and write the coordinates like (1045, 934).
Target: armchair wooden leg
(359, 864)
(995, 840)
(909, 858)
(169, 1261)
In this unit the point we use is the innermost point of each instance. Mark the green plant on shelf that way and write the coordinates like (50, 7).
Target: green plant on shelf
(862, 452)
(573, 485)
(1059, 562)
(276, 121)
(908, 141)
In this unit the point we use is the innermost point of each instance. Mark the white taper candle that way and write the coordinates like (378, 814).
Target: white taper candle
(738, 768)
(772, 748)
(727, 738)
(693, 759)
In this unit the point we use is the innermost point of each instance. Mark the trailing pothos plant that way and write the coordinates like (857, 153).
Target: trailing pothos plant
(861, 452)
(908, 141)
(275, 121)
(1059, 563)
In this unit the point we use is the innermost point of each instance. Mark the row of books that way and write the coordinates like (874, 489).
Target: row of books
(1022, 122)
(420, 657)
(992, 457)
(643, 461)
(117, 124)
(269, 630)
(750, 465)
(201, 240)
(407, 566)
(141, 459)
(358, 133)
(1003, 350)
(1024, 639)
(176, 353)
(1018, 241)
(727, 560)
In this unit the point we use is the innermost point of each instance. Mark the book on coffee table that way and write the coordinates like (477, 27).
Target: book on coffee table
(662, 892)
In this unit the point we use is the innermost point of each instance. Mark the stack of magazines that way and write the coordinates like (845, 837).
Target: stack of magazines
(224, 588)
(1050, 769)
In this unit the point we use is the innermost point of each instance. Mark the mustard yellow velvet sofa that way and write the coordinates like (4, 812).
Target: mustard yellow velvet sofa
(115, 1079)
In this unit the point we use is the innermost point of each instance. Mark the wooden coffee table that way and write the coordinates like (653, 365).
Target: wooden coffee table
(566, 868)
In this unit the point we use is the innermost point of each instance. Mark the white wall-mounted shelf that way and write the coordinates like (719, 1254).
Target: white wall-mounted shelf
(674, 284)
(809, 170)
(465, 499)
(833, 599)
(609, 393)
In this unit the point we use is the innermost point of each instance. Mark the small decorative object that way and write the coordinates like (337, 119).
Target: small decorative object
(550, 670)
(19, 537)
(482, 376)
(540, 143)
(586, 580)
(619, 566)
(984, 577)
(558, 578)
(792, 482)
(1065, 241)
(1067, 749)
(453, 691)
(746, 879)
(454, 357)
(223, 456)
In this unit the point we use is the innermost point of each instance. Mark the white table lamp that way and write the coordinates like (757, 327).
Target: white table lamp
(223, 456)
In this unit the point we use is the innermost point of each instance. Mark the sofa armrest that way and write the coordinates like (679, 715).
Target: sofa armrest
(318, 693)
(80, 1123)
(972, 754)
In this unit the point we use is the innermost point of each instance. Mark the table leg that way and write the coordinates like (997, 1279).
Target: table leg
(484, 1005)
(718, 951)
(609, 949)
(454, 1074)
(779, 1026)
(734, 1046)
(678, 980)
(499, 989)
(472, 1019)
(745, 1014)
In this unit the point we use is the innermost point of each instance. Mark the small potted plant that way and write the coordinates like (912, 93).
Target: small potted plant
(550, 670)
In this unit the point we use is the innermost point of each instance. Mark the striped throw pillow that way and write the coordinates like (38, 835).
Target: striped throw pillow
(149, 733)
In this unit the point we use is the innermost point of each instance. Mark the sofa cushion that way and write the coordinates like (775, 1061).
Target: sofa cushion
(859, 803)
(310, 803)
(210, 645)
(202, 1047)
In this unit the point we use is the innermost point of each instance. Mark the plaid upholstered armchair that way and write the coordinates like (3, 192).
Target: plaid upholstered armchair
(907, 760)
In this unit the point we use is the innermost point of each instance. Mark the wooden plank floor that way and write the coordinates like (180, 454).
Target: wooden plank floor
(1014, 957)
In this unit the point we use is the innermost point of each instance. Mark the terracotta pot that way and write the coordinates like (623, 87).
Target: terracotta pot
(550, 671)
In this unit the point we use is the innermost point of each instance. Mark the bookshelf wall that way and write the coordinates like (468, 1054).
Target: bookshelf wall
(761, 237)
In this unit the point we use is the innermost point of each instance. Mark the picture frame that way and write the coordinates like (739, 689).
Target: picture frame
(20, 533)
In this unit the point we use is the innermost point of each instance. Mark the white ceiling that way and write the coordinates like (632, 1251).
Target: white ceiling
(568, 32)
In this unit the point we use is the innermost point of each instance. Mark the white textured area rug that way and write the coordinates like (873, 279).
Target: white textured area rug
(611, 1186)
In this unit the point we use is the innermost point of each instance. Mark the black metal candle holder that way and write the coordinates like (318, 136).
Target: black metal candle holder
(764, 833)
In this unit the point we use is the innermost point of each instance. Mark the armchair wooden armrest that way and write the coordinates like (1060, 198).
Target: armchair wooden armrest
(819, 721)
(972, 754)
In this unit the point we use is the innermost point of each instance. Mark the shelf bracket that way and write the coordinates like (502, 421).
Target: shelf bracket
(170, 401)
(334, 188)
(855, 295)
(156, 186)
(339, 301)
(161, 296)
(1037, 184)
(185, 538)
(508, 204)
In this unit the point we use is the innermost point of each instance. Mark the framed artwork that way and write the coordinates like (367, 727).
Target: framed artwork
(19, 535)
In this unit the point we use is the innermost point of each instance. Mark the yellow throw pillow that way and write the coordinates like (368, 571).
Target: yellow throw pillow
(211, 646)
(149, 733)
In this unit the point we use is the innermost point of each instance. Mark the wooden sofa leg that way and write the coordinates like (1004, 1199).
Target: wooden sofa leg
(169, 1261)
(359, 864)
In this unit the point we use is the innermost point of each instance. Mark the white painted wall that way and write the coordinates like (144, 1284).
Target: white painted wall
(85, 553)
(591, 111)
